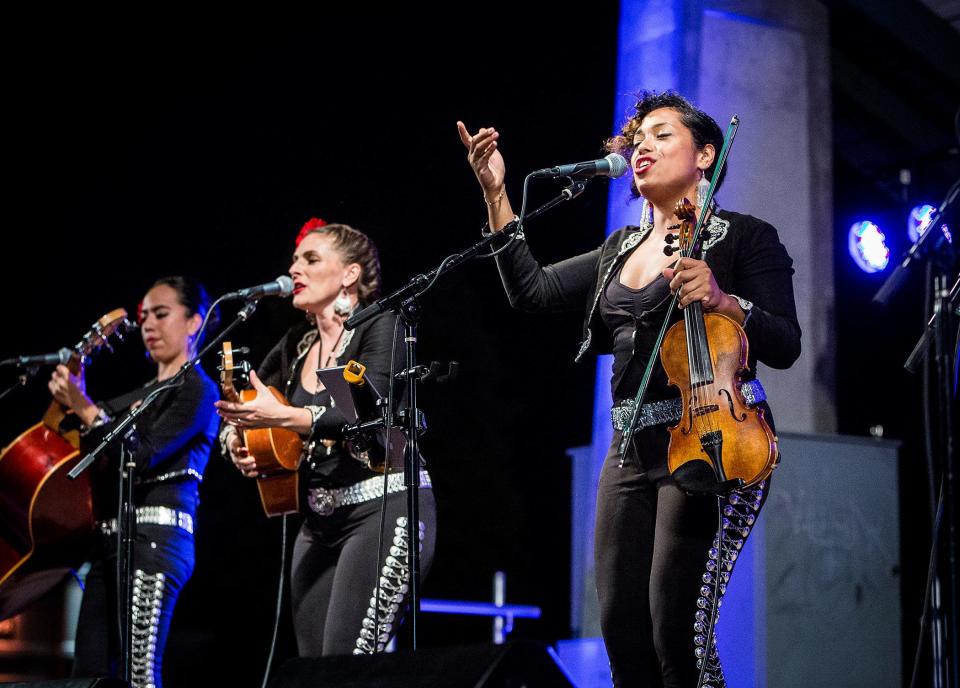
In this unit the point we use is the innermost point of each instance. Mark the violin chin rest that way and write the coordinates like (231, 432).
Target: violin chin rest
(697, 477)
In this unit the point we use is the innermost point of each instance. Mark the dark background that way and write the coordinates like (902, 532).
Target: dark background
(181, 145)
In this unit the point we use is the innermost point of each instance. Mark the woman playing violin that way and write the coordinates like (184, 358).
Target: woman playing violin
(656, 543)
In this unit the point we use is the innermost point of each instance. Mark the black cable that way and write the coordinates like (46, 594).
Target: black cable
(118, 565)
(956, 360)
(427, 288)
(283, 534)
(386, 473)
(520, 218)
(198, 337)
(931, 568)
(715, 604)
(276, 616)
(956, 125)
(927, 412)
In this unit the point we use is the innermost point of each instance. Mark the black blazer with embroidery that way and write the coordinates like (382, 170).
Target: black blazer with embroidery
(369, 344)
(176, 433)
(744, 253)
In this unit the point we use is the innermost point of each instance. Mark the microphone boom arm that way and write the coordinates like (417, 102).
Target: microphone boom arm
(412, 289)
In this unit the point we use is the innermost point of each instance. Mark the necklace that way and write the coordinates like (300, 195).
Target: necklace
(332, 355)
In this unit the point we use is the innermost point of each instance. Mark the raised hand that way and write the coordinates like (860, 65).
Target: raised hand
(485, 159)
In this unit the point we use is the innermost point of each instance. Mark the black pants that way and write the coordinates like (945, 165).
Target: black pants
(656, 555)
(163, 561)
(335, 570)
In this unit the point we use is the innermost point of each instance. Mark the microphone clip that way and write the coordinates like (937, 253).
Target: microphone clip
(435, 372)
(573, 189)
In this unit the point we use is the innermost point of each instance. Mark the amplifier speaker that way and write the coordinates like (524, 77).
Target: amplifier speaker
(71, 683)
(471, 666)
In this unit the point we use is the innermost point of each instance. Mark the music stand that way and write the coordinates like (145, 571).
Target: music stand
(342, 395)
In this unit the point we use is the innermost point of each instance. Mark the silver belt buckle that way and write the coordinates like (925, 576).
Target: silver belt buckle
(321, 501)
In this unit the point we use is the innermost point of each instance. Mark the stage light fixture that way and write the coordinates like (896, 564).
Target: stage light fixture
(868, 246)
(918, 221)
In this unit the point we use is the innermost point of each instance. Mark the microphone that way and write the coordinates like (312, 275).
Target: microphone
(61, 357)
(282, 286)
(614, 165)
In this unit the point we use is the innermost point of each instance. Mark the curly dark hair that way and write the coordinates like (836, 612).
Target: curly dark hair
(701, 125)
(356, 247)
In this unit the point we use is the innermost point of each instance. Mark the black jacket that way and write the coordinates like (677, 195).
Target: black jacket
(744, 253)
(175, 435)
(369, 344)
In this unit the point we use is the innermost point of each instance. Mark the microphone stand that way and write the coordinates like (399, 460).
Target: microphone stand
(405, 302)
(940, 331)
(931, 237)
(943, 622)
(22, 378)
(126, 514)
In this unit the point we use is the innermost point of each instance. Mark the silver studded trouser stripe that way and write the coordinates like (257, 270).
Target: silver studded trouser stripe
(394, 585)
(739, 514)
(146, 607)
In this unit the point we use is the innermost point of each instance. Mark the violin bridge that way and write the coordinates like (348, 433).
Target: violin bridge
(703, 410)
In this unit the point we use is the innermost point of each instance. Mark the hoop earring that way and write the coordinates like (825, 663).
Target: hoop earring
(342, 305)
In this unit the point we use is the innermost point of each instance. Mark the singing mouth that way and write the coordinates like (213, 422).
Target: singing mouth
(643, 164)
(297, 287)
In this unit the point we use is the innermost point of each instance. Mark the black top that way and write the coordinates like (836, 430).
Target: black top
(175, 433)
(744, 253)
(634, 316)
(330, 464)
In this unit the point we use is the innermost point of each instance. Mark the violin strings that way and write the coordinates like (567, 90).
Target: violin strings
(700, 357)
(699, 365)
(696, 370)
(703, 391)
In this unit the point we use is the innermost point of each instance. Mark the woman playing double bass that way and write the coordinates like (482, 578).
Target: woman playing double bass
(655, 543)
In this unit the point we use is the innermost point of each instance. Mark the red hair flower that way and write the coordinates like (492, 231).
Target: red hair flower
(310, 225)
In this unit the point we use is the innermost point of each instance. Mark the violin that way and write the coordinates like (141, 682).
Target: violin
(719, 441)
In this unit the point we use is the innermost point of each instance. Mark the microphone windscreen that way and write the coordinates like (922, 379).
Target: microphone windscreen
(618, 165)
(286, 285)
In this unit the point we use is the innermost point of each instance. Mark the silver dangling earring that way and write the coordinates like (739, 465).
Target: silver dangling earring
(646, 215)
(342, 305)
(703, 186)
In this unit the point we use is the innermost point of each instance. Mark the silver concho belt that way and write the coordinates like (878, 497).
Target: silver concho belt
(154, 516)
(325, 501)
(670, 411)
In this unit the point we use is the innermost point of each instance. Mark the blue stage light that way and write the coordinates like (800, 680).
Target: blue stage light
(868, 246)
(919, 220)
